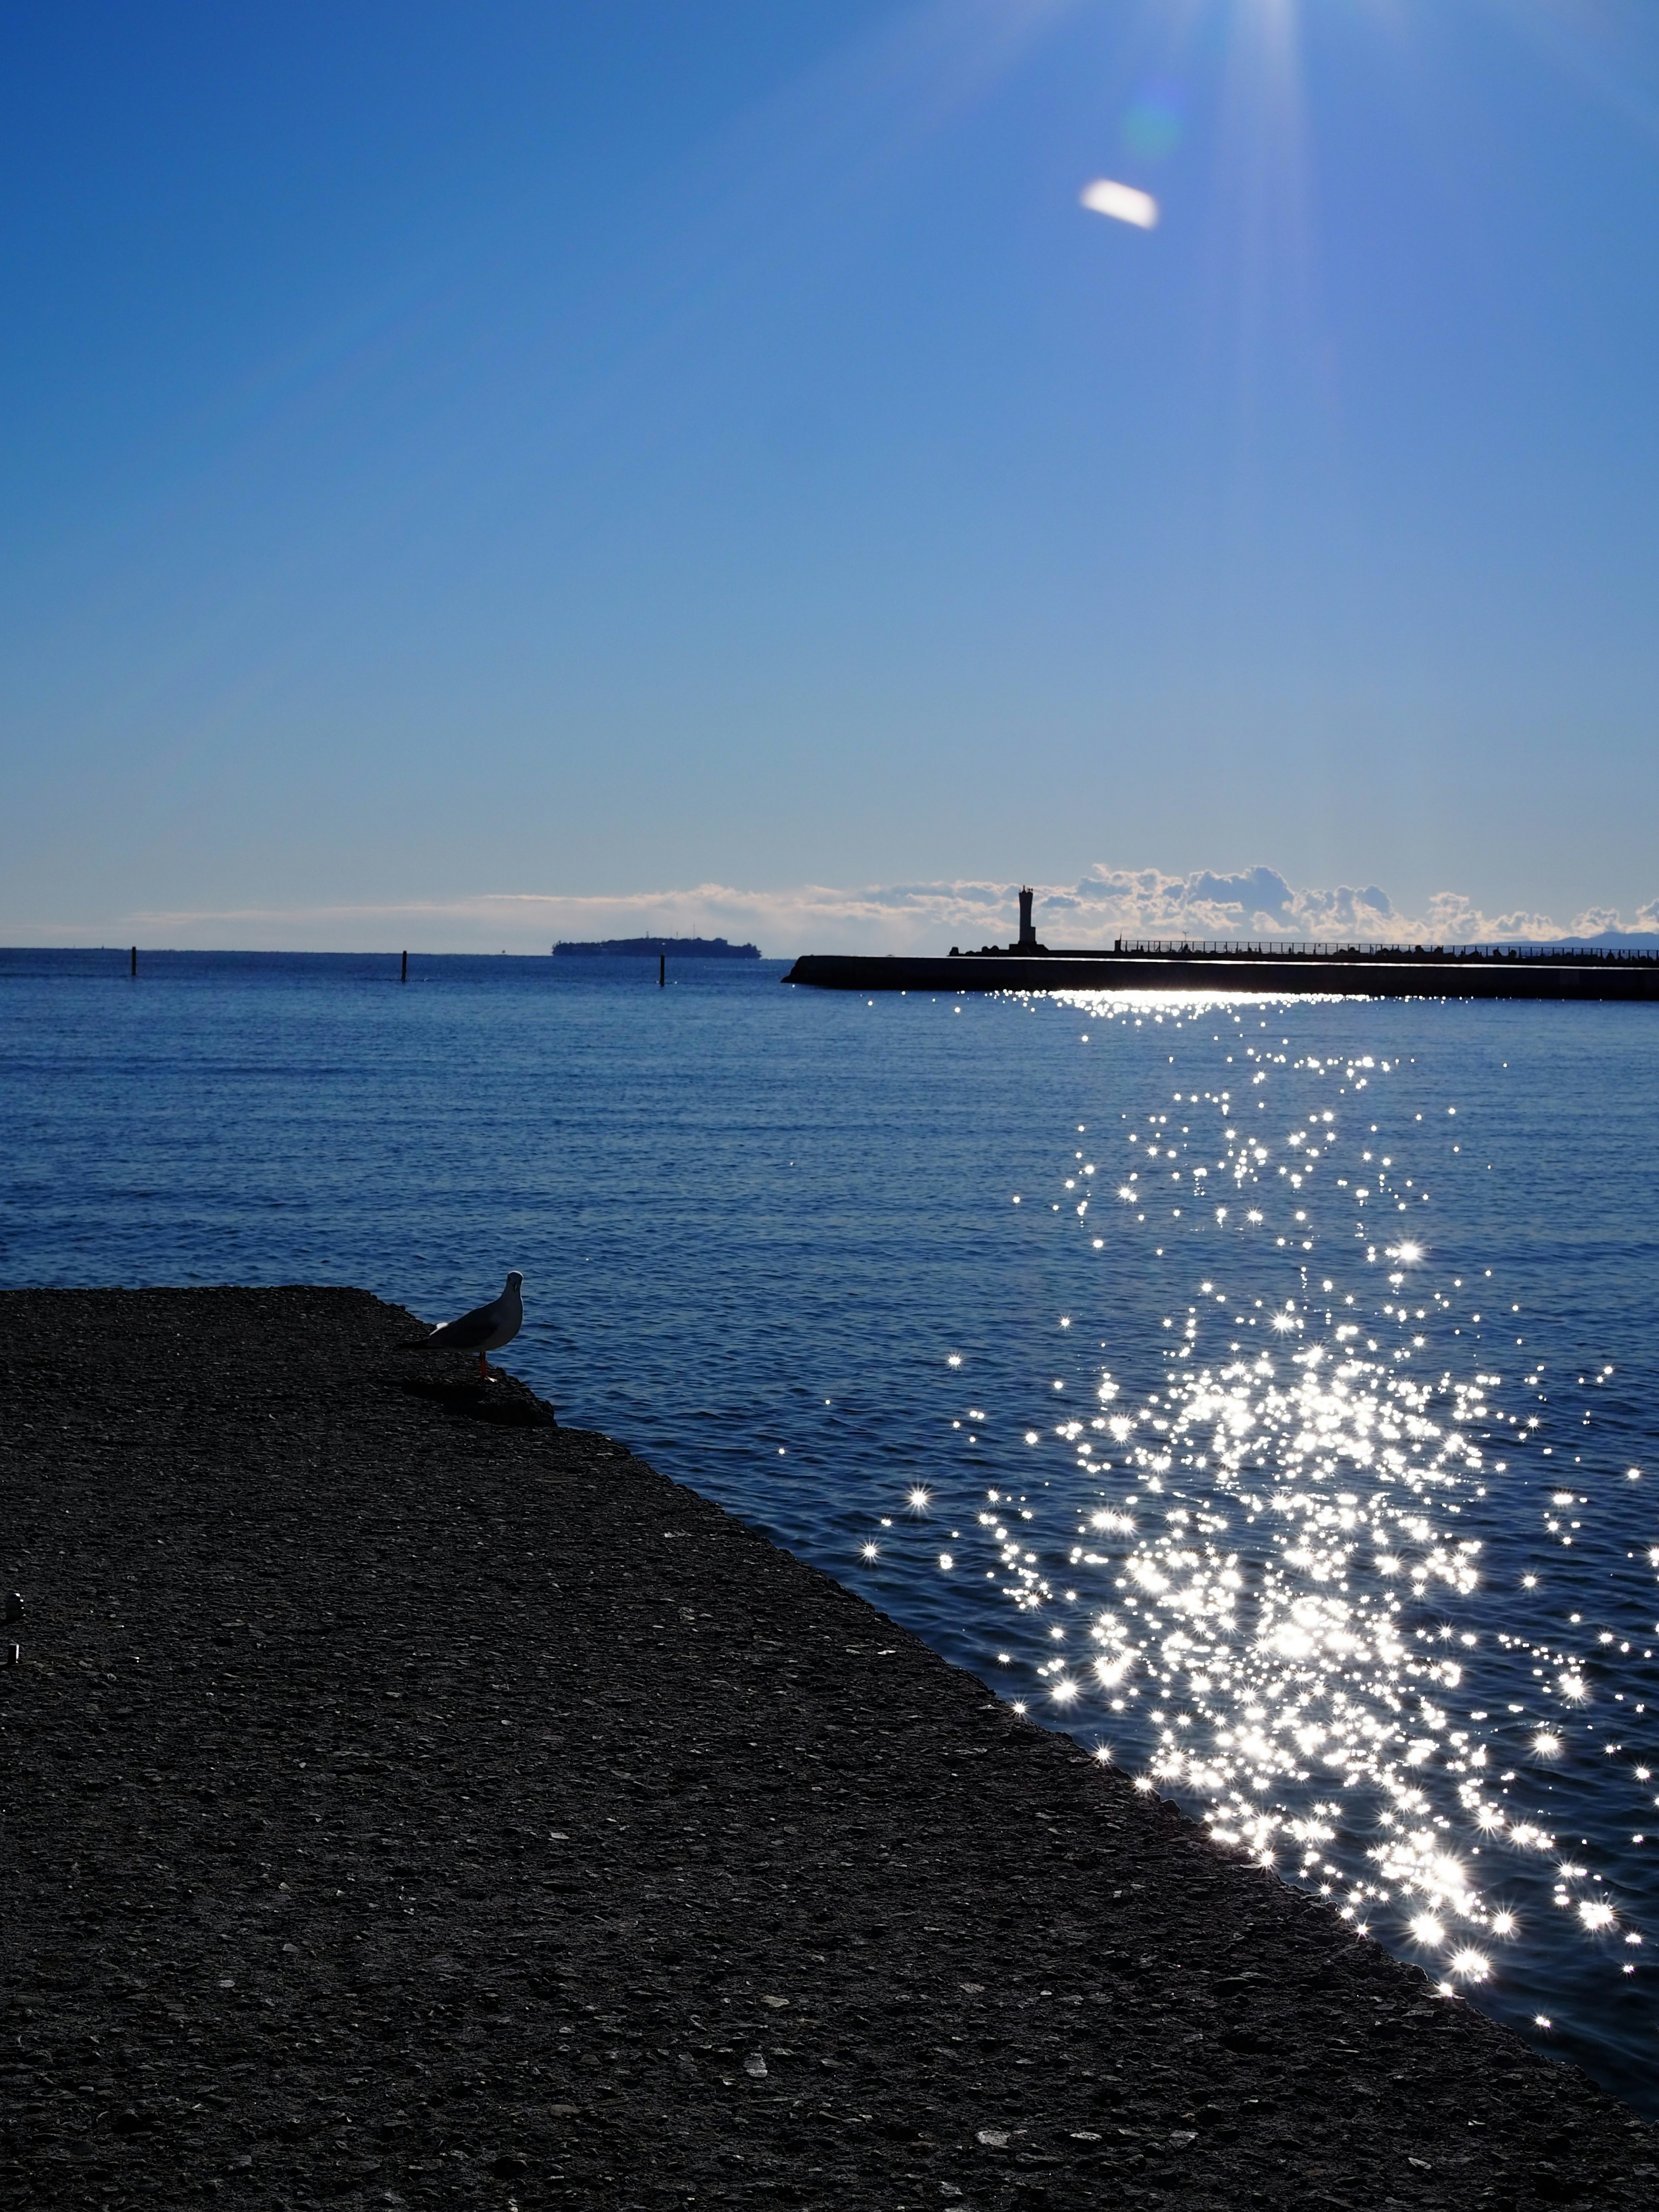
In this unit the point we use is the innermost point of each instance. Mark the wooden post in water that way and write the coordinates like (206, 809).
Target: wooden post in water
(133, 970)
(662, 970)
(404, 978)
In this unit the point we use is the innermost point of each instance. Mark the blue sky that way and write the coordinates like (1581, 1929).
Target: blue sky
(470, 472)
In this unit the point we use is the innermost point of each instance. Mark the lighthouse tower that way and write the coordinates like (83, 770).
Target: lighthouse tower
(1028, 942)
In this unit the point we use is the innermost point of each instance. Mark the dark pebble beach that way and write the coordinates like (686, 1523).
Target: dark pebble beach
(407, 1800)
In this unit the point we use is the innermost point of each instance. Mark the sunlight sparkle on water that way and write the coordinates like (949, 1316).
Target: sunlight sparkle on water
(1279, 1558)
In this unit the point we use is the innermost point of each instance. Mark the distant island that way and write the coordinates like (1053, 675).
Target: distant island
(685, 948)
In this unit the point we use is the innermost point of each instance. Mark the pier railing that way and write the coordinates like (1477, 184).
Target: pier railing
(1303, 948)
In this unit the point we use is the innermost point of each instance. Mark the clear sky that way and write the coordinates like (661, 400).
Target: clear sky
(466, 469)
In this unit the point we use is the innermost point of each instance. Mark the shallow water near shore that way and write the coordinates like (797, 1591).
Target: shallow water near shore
(1262, 1391)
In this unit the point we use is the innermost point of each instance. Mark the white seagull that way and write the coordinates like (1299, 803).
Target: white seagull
(485, 1329)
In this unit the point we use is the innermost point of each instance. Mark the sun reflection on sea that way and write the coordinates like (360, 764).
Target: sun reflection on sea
(1274, 1571)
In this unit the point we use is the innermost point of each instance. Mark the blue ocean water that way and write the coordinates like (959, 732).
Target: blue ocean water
(1263, 1391)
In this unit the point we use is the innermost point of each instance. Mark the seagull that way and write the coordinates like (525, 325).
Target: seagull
(485, 1329)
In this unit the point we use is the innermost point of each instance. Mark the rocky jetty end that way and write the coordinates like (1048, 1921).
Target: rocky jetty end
(409, 1802)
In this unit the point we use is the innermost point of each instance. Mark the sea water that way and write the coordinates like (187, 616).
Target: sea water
(1262, 1391)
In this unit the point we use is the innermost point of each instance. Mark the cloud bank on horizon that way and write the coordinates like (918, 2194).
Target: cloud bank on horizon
(920, 917)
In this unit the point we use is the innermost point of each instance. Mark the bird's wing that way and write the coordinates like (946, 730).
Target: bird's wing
(469, 1332)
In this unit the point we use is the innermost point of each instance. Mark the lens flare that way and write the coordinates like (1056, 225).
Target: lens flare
(1121, 202)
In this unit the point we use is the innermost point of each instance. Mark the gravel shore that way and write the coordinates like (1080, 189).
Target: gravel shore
(407, 1808)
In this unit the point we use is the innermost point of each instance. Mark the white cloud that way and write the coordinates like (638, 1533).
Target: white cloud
(1595, 918)
(1108, 903)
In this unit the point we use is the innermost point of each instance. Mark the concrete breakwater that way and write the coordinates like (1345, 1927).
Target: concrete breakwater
(1416, 976)
(403, 1806)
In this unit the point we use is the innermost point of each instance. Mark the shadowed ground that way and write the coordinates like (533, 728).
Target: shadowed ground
(404, 1807)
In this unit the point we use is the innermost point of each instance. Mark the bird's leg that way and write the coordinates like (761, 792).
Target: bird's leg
(484, 1369)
